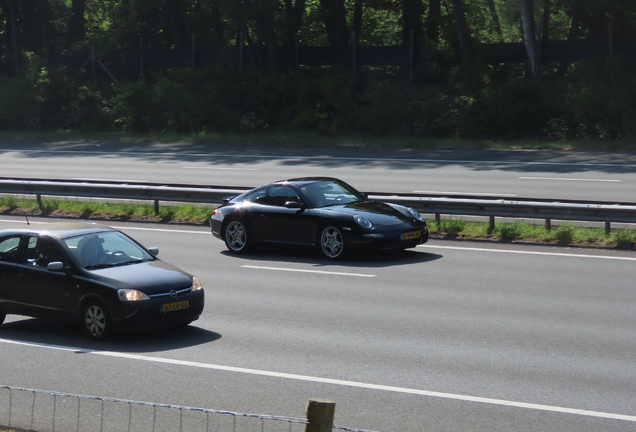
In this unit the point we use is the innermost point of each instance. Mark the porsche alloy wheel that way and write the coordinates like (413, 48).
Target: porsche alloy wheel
(332, 243)
(96, 321)
(236, 236)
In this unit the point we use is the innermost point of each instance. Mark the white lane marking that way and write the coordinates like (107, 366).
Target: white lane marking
(221, 169)
(125, 228)
(109, 180)
(571, 179)
(355, 384)
(18, 222)
(466, 193)
(309, 271)
(281, 157)
(559, 254)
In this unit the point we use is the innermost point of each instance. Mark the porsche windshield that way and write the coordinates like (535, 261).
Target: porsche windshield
(322, 194)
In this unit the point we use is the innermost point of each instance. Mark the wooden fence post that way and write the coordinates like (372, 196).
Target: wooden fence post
(320, 415)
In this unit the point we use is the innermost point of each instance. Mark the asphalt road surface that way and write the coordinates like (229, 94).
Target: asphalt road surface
(450, 336)
(595, 176)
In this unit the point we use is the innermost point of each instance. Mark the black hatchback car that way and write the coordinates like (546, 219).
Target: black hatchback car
(94, 274)
(315, 211)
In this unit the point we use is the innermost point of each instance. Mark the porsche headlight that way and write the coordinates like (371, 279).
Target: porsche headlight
(363, 222)
(196, 285)
(131, 295)
(416, 214)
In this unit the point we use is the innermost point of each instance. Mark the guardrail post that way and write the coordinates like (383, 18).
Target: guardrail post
(320, 415)
(491, 224)
(39, 200)
(438, 220)
(608, 227)
(548, 224)
(156, 207)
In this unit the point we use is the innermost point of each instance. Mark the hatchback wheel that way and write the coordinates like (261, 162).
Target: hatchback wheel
(236, 238)
(96, 321)
(332, 244)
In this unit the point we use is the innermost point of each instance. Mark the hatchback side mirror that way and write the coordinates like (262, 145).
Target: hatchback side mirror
(55, 266)
(154, 251)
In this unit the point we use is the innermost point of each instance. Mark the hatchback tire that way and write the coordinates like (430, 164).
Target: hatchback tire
(96, 321)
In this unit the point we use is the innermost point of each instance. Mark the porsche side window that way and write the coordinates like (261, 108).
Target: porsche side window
(260, 196)
(283, 194)
(42, 251)
(9, 249)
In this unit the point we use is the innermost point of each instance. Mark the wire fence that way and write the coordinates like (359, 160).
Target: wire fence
(47, 411)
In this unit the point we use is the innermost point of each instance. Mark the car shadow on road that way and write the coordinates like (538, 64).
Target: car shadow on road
(69, 335)
(355, 259)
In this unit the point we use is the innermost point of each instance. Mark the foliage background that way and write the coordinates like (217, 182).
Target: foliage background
(456, 94)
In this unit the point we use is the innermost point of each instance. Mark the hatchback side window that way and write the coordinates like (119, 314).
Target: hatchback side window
(41, 251)
(9, 249)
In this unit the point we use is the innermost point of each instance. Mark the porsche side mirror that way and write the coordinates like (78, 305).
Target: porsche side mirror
(293, 205)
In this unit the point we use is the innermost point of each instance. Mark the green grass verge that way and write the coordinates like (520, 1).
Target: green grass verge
(185, 213)
(566, 234)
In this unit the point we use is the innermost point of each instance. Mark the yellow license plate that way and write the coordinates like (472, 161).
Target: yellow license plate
(169, 307)
(411, 235)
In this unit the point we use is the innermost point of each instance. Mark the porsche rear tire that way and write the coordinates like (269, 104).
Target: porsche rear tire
(236, 236)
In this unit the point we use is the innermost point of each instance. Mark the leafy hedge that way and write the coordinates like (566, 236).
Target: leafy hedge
(593, 100)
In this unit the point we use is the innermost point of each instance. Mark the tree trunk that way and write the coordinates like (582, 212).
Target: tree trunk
(433, 20)
(293, 18)
(572, 35)
(495, 18)
(217, 23)
(173, 8)
(77, 24)
(526, 8)
(463, 33)
(545, 28)
(411, 21)
(357, 20)
(334, 17)
(15, 41)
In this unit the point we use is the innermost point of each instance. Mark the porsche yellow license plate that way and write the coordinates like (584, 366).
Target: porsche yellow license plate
(411, 235)
(169, 307)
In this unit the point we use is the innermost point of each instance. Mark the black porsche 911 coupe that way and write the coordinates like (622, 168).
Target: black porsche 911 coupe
(316, 211)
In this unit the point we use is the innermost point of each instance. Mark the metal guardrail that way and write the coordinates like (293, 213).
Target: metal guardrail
(491, 207)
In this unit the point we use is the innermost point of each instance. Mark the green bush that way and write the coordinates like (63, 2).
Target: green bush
(595, 99)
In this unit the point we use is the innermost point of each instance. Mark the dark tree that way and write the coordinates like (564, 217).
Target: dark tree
(335, 19)
(412, 11)
(175, 15)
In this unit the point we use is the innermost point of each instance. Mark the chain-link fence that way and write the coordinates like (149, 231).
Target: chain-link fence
(47, 411)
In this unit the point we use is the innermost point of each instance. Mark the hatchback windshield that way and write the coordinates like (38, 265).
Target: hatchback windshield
(106, 249)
